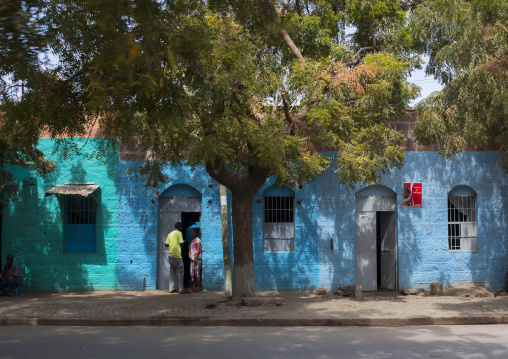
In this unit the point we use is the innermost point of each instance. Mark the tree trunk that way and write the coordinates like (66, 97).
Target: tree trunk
(243, 268)
(243, 188)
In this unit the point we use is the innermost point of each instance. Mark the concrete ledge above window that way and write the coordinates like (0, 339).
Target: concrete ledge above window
(83, 190)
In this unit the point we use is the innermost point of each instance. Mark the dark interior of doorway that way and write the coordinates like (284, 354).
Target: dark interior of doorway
(188, 219)
(378, 247)
(384, 220)
(1, 258)
(1, 221)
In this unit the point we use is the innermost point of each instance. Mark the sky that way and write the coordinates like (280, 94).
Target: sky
(427, 83)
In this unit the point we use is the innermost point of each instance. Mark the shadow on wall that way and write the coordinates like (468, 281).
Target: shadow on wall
(138, 224)
(296, 270)
(33, 229)
(424, 256)
(489, 264)
(336, 231)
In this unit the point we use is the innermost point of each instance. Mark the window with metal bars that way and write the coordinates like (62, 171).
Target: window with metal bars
(462, 223)
(279, 223)
(279, 209)
(80, 225)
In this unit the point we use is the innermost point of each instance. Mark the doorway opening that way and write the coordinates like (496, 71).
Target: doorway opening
(178, 203)
(376, 238)
(385, 248)
(1, 221)
(190, 221)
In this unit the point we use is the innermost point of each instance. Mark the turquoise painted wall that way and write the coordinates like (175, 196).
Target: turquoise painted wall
(32, 227)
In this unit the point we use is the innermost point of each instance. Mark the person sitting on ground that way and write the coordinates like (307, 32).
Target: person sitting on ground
(10, 276)
(195, 255)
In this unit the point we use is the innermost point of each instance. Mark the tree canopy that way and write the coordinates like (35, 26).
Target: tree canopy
(467, 43)
(249, 89)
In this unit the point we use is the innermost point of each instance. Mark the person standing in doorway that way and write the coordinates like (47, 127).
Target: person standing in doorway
(195, 255)
(174, 241)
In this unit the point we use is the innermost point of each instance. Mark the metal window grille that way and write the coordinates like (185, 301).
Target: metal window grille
(80, 225)
(462, 224)
(279, 209)
(279, 224)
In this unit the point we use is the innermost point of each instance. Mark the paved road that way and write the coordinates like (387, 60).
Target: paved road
(38, 342)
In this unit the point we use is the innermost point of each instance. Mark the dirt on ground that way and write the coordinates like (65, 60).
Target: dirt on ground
(468, 290)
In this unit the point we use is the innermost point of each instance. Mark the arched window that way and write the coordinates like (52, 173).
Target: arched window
(462, 223)
(278, 220)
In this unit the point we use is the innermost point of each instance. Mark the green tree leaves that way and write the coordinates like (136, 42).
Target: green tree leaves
(233, 84)
(467, 44)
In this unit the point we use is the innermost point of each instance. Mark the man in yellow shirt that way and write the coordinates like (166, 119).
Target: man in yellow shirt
(174, 241)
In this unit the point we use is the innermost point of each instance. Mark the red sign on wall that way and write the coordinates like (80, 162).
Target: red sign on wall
(412, 196)
(416, 195)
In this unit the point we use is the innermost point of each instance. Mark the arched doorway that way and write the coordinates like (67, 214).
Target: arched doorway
(178, 203)
(376, 238)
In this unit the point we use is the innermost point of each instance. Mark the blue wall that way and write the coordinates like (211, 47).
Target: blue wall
(284, 270)
(324, 254)
(422, 232)
(325, 228)
(137, 218)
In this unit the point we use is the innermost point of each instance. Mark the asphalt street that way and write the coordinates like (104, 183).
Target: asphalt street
(464, 342)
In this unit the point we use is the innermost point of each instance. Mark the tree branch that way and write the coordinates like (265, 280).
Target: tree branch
(501, 26)
(218, 172)
(287, 114)
(258, 113)
(305, 109)
(356, 57)
(239, 111)
(289, 41)
(298, 9)
(278, 16)
(276, 101)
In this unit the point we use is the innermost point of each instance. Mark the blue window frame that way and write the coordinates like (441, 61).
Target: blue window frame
(80, 225)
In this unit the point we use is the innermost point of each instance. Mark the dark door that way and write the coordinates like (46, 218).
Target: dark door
(387, 249)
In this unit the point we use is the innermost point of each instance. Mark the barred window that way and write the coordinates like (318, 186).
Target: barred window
(80, 225)
(462, 223)
(278, 221)
(279, 209)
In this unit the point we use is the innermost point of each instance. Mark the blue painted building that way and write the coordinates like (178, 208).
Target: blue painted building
(319, 235)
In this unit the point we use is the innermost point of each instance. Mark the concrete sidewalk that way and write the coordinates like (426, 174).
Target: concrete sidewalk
(299, 308)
